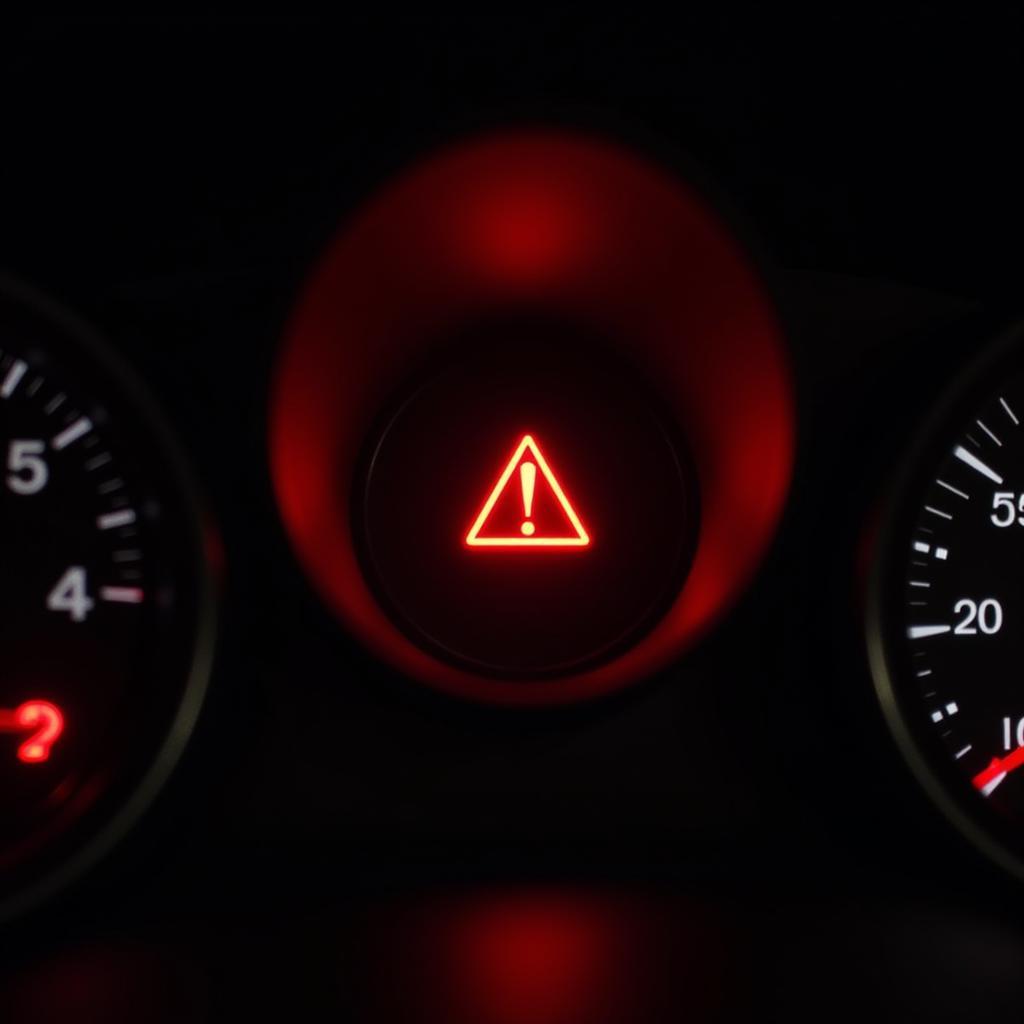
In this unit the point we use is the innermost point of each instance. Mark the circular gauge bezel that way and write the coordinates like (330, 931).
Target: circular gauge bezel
(85, 840)
(949, 789)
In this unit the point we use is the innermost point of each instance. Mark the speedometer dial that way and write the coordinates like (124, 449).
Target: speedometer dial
(946, 617)
(105, 606)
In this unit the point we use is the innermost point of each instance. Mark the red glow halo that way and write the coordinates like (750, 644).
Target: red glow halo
(588, 230)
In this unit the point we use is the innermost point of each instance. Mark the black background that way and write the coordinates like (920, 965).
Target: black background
(174, 179)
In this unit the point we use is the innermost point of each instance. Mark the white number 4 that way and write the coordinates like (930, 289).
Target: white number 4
(71, 595)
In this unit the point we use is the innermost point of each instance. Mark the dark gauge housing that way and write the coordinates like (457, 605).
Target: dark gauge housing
(550, 254)
(106, 603)
(946, 605)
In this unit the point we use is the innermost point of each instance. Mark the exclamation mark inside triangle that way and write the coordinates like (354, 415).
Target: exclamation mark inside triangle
(529, 482)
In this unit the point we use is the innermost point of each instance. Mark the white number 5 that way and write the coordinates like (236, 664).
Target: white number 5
(28, 473)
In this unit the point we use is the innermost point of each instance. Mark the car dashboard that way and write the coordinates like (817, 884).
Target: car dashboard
(511, 519)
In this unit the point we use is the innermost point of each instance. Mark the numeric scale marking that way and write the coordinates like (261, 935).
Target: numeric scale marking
(70, 434)
(922, 632)
(990, 434)
(122, 595)
(13, 378)
(972, 460)
(112, 520)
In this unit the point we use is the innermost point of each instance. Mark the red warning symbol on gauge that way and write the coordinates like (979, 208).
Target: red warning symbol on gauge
(527, 507)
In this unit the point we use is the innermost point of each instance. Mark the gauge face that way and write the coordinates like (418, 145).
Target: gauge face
(947, 615)
(104, 601)
(525, 562)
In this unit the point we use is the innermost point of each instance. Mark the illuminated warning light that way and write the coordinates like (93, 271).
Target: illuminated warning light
(42, 720)
(524, 465)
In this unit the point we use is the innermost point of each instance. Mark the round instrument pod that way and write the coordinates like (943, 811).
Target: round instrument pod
(106, 600)
(532, 424)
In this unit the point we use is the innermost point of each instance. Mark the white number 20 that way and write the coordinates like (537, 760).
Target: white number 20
(986, 615)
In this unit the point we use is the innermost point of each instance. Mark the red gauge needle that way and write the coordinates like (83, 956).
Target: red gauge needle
(42, 720)
(1000, 767)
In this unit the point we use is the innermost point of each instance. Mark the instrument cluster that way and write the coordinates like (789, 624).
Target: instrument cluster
(609, 470)
(532, 429)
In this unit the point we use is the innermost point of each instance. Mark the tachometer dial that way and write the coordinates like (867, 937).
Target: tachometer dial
(946, 615)
(105, 605)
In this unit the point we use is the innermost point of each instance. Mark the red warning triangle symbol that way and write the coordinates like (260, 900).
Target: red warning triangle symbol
(527, 507)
